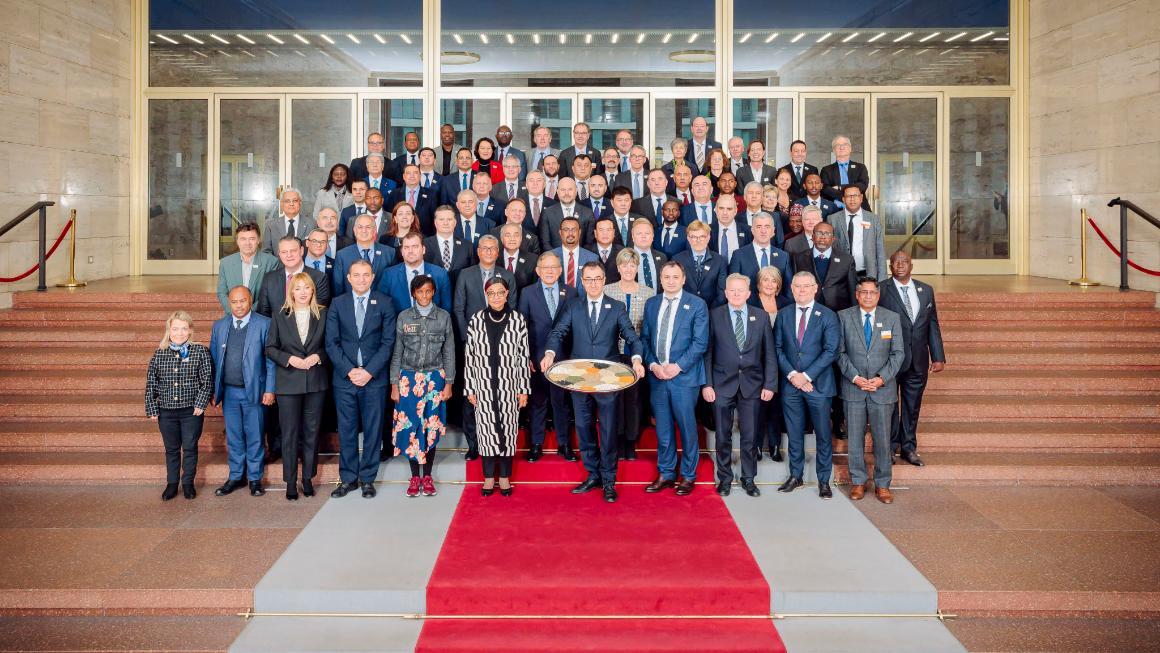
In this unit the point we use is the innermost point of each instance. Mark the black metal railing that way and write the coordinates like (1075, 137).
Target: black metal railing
(917, 228)
(1125, 205)
(42, 207)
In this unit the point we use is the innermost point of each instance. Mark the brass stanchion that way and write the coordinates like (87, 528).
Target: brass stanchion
(1083, 280)
(72, 256)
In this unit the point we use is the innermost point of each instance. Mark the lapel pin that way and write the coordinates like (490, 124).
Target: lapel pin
(686, 307)
(818, 313)
(752, 319)
(837, 260)
(608, 306)
(374, 301)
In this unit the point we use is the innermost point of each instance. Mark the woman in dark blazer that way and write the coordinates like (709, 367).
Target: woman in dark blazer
(296, 346)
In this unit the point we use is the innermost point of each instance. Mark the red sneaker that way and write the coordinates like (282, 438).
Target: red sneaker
(429, 487)
(413, 488)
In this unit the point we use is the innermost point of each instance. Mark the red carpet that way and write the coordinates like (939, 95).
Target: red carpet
(545, 551)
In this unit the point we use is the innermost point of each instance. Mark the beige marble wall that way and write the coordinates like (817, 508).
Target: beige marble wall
(1095, 132)
(64, 131)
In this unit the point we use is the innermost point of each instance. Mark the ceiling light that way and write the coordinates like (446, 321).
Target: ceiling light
(275, 39)
(483, 37)
(510, 39)
(921, 51)
(536, 39)
(458, 38)
(327, 39)
(162, 36)
(640, 38)
(771, 37)
(667, 37)
(825, 36)
(563, 39)
(956, 36)
(219, 39)
(904, 37)
(850, 38)
(353, 38)
(248, 53)
(302, 38)
(225, 53)
(299, 53)
(981, 37)
(797, 38)
(615, 38)
(246, 39)
(380, 39)
(1002, 38)
(876, 37)
(406, 39)
(271, 52)
(929, 37)
(194, 39)
(201, 54)
(693, 37)
(745, 37)
(587, 38)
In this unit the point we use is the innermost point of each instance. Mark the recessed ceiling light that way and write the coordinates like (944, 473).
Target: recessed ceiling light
(275, 39)
(327, 39)
(194, 39)
(797, 38)
(825, 36)
(876, 37)
(956, 36)
(693, 37)
(219, 39)
(302, 38)
(162, 36)
(981, 37)
(640, 38)
(850, 38)
(929, 37)
(745, 37)
(353, 38)
(458, 38)
(406, 39)
(380, 39)
(904, 37)
(771, 37)
(246, 39)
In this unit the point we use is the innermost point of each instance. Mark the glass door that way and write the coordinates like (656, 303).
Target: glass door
(251, 137)
(321, 131)
(177, 228)
(528, 112)
(609, 113)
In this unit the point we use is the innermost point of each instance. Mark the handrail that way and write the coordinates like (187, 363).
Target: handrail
(914, 232)
(39, 206)
(1125, 205)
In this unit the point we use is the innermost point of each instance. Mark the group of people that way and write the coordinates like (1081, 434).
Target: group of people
(440, 286)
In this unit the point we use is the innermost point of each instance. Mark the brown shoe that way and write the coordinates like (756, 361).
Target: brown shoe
(857, 492)
(684, 487)
(884, 495)
(659, 484)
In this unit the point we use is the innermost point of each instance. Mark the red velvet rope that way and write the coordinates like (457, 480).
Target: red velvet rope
(34, 268)
(1117, 252)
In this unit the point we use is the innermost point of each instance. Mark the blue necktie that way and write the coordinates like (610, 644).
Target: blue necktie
(648, 277)
(427, 180)
(463, 182)
(360, 316)
(318, 265)
(867, 331)
(764, 257)
(366, 254)
(842, 172)
(660, 203)
(704, 214)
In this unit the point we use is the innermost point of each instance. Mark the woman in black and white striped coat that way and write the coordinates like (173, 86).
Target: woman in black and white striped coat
(497, 380)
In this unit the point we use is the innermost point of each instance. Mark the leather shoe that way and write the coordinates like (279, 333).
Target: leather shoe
(291, 494)
(169, 492)
(609, 493)
(659, 484)
(792, 483)
(630, 451)
(589, 484)
(189, 491)
(757, 456)
(343, 489)
(228, 487)
(256, 489)
(884, 494)
(471, 454)
(307, 488)
(857, 492)
(534, 452)
(824, 491)
(685, 487)
(750, 487)
(775, 455)
(387, 453)
(724, 487)
(568, 454)
(912, 458)
(368, 490)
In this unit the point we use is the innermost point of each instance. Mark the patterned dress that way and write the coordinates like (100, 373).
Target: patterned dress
(420, 418)
(496, 371)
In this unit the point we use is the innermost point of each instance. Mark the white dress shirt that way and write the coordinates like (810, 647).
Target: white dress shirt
(856, 245)
(674, 302)
(910, 292)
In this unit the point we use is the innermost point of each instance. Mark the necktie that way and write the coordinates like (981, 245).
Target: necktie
(318, 265)
(360, 315)
(645, 262)
(725, 244)
(663, 331)
(867, 331)
(697, 271)
(843, 169)
(592, 314)
(905, 292)
(511, 266)
(570, 279)
(447, 255)
(660, 203)
(550, 295)
(539, 160)
(551, 189)
(603, 256)
(739, 329)
(481, 208)
(850, 230)
(467, 233)
(290, 228)
(536, 210)
(764, 257)
(374, 183)
(412, 159)
(797, 173)
(411, 197)
(596, 208)
(360, 210)
(511, 191)
(636, 192)
(238, 324)
(700, 156)
(813, 203)
(583, 190)
(463, 181)
(624, 230)
(684, 199)
(366, 254)
(486, 275)
(801, 334)
(426, 180)
(624, 163)
(704, 214)
(667, 238)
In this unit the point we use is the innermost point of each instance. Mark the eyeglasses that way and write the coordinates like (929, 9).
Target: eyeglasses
(315, 241)
(497, 293)
(591, 279)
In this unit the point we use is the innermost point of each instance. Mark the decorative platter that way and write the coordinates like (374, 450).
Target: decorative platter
(591, 375)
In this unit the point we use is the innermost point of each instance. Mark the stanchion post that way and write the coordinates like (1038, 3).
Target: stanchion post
(41, 284)
(72, 255)
(1083, 280)
(1123, 247)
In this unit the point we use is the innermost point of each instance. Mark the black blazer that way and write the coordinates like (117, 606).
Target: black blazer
(923, 337)
(713, 273)
(534, 307)
(611, 273)
(836, 291)
(747, 371)
(529, 244)
(856, 173)
(272, 293)
(796, 190)
(283, 342)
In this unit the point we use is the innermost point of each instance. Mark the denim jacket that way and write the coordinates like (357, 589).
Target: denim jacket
(423, 343)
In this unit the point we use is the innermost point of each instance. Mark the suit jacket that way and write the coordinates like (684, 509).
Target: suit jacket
(462, 256)
(836, 291)
(529, 241)
(778, 226)
(283, 342)
(530, 221)
(923, 336)
(384, 258)
(625, 179)
(658, 259)
(326, 266)
(605, 207)
(857, 174)
(345, 221)
(469, 298)
(816, 354)
(387, 183)
(230, 275)
(492, 211)
(358, 169)
(647, 207)
(884, 358)
(395, 284)
(517, 153)
(441, 157)
(533, 154)
(552, 216)
(873, 246)
(274, 228)
(499, 192)
(745, 175)
(678, 242)
(690, 328)
(611, 273)
(426, 201)
(568, 155)
(745, 261)
(619, 237)
(257, 368)
(601, 343)
(479, 227)
(400, 162)
(376, 342)
(583, 256)
(451, 185)
(828, 207)
(796, 190)
(691, 154)
(534, 307)
(524, 267)
(714, 269)
(746, 371)
(384, 225)
(690, 212)
(272, 294)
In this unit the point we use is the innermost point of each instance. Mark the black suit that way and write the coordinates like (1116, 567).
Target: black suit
(647, 207)
(358, 169)
(836, 291)
(708, 283)
(529, 241)
(796, 190)
(568, 155)
(462, 256)
(611, 272)
(524, 267)
(400, 162)
(923, 340)
(272, 293)
(738, 375)
(533, 305)
(857, 174)
(301, 394)
(426, 200)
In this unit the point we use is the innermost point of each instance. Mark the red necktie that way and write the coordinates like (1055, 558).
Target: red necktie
(511, 265)
(801, 334)
(571, 280)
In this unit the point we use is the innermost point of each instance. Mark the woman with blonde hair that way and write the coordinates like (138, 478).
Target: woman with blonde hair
(770, 422)
(178, 387)
(633, 294)
(296, 345)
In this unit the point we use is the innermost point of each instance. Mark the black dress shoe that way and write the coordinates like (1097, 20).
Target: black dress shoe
(630, 451)
(471, 454)
(256, 489)
(839, 435)
(824, 491)
(535, 452)
(169, 492)
(750, 487)
(912, 458)
(273, 458)
(343, 489)
(792, 483)
(486, 491)
(189, 492)
(228, 487)
(589, 484)
(368, 490)
(307, 488)
(659, 484)
(684, 487)
(506, 491)
(291, 494)
(724, 487)
(610, 493)
(775, 455)
(568, 454)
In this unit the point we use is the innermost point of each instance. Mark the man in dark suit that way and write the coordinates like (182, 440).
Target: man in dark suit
(365, 248)
(533, 194)
(512, 185)
(520, 263)
(421, 199)
(581, 133)
(410, 156)
(571, 254)
(740, 372)
(704, 271)
(914, 302)
(503, 148)
(699, 145)
(358, 191)
(675, 335)
(552, 216)
(582, 169)
(272, 294)
(843, 172)
(761, 252)
(540, 303)
(806, 337)
(374, 208)
(833, 267)
(360, 336)
(752, 195)
(485, 206)
(758, 170)
(636, 177)
(798, 168)
(328, 222)
(316, 257)
(813, 196)
(460, 178)
(470, 226)
(375, 144)
(243, 384)
(611, 164)
(606, 248)
(728, 234)
(596, 324)
(701, 208)
(445, 249)
(670, 237)
(396, 280)
(651, 204)
(622, 216)
(516, 213)
(649, 270)
(599, 198)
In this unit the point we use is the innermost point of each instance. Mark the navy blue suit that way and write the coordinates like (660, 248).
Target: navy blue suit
(744, 237)
(348, 215)
(479, 227)
(827, 206)
(709, 282)
(360, 408)
(677, 241)
(533, 305)
(601, 343)
(426, 201)
(605, 208)
(242, 406)
(384, 258)
(582, 256)
(395, 284)
(691, 211)
(673, 399)
(691, 154)
(745, 261)
(451, 185)
(814, 357)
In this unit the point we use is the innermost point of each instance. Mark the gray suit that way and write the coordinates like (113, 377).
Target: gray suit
(873, 247)
(533, 154)
(230, 275)
(275, 227)
(745, 175)
(439, 157)
(884, 359)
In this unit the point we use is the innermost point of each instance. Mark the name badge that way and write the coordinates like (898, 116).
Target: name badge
(887, 335)
(837, 260)
(866, 225)
(752, 319)
(410, 328)
(374, 301)
(608, 306)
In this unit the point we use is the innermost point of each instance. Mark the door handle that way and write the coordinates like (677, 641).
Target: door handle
(874, 192)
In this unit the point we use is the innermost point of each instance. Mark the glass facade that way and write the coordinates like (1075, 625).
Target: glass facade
(178, 152)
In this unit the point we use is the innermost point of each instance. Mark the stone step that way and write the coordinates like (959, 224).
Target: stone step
(1051, 336)
(79, 298)
(71, 336)
(81, 407)
(132, 468)
(955, 435)
(1042, 407)
(1054, 299)
(1112, 317)
(1082, 383)
(986, 356)
(32, 381)
(104, 357)
(96, 316)
(1021, 468)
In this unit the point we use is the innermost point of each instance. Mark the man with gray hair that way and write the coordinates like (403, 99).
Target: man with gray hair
(289, 222)
(843, 172)
(699, 145)
(377, 177)
(635, 177)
